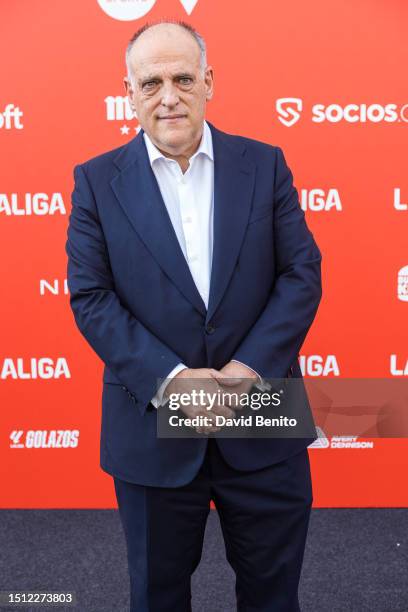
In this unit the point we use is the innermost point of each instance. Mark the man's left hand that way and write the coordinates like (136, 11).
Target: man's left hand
(234, 369)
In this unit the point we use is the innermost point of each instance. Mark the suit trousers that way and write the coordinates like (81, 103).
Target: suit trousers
(264, 516)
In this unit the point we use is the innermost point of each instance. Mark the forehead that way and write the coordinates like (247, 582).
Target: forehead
(165, 47)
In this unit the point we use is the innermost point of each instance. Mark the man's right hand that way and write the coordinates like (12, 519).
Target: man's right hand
(209, 381)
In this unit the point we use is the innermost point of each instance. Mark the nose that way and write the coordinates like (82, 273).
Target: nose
(170, 96)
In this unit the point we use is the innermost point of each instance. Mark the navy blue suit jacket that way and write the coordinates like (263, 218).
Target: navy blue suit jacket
(135, 301)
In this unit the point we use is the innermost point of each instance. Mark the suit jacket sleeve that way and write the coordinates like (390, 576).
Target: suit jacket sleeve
(133, 354)
(274, 341)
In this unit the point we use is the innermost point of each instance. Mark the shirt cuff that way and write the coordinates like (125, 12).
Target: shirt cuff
(157, 400)
(260, 384)
(249, 368)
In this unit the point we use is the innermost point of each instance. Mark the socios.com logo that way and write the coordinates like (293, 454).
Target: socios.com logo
(127, 10)
(289, 112)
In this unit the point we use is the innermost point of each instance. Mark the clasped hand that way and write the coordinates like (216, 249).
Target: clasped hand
(234, 378)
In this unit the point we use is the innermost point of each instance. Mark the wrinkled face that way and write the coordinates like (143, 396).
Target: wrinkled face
(168, 88)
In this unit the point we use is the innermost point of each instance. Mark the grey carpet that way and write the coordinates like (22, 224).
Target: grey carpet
(356, 560)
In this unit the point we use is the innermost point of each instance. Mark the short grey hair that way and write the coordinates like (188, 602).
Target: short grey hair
(183, 24)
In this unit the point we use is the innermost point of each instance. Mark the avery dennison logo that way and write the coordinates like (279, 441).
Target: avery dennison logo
(341, 442)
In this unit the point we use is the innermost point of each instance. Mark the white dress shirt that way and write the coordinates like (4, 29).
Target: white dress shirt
(189, 200)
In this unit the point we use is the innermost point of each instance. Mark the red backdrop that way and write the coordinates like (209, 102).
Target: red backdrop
(322, 80)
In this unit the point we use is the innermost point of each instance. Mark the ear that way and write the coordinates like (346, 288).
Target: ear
(130, 93)
(209, 82)
(128, 87)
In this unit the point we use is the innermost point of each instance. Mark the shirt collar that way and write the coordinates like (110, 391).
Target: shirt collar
(205, 146)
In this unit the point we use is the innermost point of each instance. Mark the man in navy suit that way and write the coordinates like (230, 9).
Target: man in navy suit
(189, 259)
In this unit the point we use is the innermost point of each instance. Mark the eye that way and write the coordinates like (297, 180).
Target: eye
(149, 85)
(185, 80)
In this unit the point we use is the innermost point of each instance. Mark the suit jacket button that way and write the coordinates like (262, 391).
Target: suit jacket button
(209, 329)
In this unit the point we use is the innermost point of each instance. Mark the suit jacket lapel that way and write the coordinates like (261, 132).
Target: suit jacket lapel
(234, 179)
(139, 195)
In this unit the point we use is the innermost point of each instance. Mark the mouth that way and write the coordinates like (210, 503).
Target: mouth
(171, 118)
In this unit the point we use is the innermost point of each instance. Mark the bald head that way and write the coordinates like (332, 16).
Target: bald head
(171, 32)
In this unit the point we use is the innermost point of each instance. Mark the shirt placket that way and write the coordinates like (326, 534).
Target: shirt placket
(191, 230)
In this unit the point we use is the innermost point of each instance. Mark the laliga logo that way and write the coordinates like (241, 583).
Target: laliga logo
(134, 9)
(15, 438)
(289, 110)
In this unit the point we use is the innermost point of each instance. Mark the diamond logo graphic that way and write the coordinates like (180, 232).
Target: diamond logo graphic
(189, 5)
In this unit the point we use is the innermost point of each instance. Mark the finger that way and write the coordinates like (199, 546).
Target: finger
(208, 430)
(222, 410)
(233, 400)
(209, 427)
(224, 379)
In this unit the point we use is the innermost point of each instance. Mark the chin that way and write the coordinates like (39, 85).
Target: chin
(176, 138)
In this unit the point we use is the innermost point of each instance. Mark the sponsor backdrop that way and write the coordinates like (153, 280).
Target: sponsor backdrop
(324, 84)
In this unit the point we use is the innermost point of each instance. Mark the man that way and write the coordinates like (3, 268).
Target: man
(189, 259)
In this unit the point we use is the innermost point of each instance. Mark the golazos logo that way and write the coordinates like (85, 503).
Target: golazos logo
(128, 10)
(289, 112)
(403, 284)
(15, 439)
(43, 438)
(11, 118)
